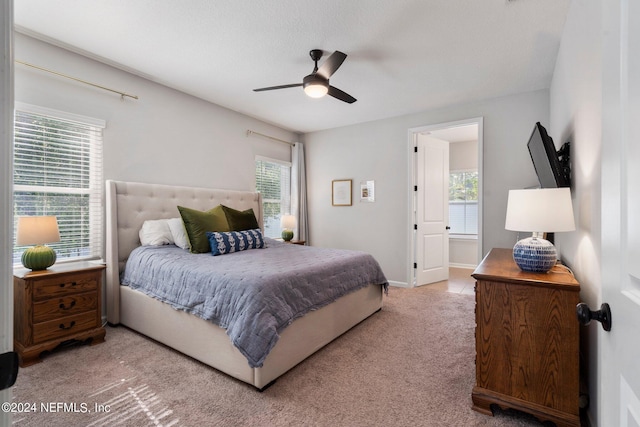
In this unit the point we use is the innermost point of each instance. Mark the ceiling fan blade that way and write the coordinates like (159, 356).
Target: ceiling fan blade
(333, 62)
(342, 96)
(278, 87)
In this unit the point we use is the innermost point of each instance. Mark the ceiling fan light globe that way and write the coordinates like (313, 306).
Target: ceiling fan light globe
(315, 86)
(316, 90)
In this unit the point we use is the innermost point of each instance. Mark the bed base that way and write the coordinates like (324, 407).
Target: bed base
(210, 344)
(128, 206)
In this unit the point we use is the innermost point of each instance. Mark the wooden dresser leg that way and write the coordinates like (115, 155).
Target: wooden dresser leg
(98, 337)
(480, 403)
(28, 359)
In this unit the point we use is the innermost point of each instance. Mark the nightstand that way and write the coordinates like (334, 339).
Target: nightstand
(527, 340)
(56, 305)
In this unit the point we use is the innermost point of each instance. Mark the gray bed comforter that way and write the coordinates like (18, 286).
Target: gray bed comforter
(253, 294)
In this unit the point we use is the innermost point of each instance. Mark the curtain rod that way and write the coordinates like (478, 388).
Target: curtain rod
(122, 94)
(250, 132)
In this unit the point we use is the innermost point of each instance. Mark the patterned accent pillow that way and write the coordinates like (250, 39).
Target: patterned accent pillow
(227, 242)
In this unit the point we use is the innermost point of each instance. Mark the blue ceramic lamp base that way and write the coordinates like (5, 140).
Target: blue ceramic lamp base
(535, 255)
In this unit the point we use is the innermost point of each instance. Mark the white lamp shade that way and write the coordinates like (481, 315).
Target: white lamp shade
(37, 230)
(288, 222)
(540, 210)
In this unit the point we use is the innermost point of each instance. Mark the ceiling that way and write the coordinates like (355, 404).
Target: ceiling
(404, 56)
(453, 134)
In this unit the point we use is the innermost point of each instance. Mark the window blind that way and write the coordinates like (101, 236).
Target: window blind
(273, 181)
(58, 171)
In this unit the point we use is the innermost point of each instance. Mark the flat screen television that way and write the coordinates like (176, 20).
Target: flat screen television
(552, 167)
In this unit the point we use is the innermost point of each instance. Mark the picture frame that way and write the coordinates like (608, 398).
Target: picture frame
(367, 191)
(341, 192)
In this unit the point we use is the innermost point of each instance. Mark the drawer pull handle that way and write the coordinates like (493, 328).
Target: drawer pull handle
(71, 325)
(73, 302)
(62, 285)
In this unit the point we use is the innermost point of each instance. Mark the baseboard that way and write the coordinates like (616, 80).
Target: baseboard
(399, 284)
(456, 265)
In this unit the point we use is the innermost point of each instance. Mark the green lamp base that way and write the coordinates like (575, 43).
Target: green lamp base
(287, 235)
(39, 257)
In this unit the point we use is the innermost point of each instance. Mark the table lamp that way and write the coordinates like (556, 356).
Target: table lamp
(288, 223)
(539, 211)
(37, 230)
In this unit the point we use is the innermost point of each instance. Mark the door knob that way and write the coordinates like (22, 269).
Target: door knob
(585, 314)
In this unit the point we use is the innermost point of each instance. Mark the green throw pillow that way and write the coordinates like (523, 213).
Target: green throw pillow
(197, 223)
(240, 220)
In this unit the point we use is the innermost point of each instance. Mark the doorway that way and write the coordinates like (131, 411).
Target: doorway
(464, 241)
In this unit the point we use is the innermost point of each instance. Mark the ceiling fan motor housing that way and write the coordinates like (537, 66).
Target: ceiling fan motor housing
(314, 79)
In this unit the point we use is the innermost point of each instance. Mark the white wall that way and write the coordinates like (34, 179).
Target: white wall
(379, 150)
(576, 116)
(463, 155)
(165, 137)
(463, 253)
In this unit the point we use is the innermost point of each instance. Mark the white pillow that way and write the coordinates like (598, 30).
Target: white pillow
(156, 232)
(178, 233)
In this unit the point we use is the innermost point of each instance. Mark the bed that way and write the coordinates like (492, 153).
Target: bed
(128, 206)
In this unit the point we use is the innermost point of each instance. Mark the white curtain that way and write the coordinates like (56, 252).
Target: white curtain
(299, 192)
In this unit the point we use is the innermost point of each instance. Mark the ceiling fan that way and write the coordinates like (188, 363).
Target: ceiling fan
(316, 84)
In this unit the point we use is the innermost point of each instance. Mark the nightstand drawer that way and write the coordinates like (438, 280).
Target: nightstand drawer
(56, 308)
(65, 285)
(63, 326)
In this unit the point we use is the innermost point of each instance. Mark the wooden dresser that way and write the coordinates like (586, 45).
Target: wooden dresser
(56, 305)
(527, 355)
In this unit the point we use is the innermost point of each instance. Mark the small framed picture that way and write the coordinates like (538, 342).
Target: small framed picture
(341, 192)
(367, 191)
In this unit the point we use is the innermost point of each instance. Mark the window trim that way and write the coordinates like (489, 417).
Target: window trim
(272, 160)
(57, 114)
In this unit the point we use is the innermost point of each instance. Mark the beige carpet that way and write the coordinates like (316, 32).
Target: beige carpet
(412, 364)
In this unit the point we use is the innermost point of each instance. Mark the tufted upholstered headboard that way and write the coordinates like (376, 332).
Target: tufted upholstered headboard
(129, 204)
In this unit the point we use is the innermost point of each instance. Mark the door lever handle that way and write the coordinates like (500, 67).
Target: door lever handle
(585, 314)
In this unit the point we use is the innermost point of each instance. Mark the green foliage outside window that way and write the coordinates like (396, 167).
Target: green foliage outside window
(463, 186)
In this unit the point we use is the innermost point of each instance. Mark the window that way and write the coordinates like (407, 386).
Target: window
(58, 171)
(463, 202)
(273, 180)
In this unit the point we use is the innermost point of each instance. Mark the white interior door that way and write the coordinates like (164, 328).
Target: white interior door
(619, 350)
(432, 210)
(6, 190)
